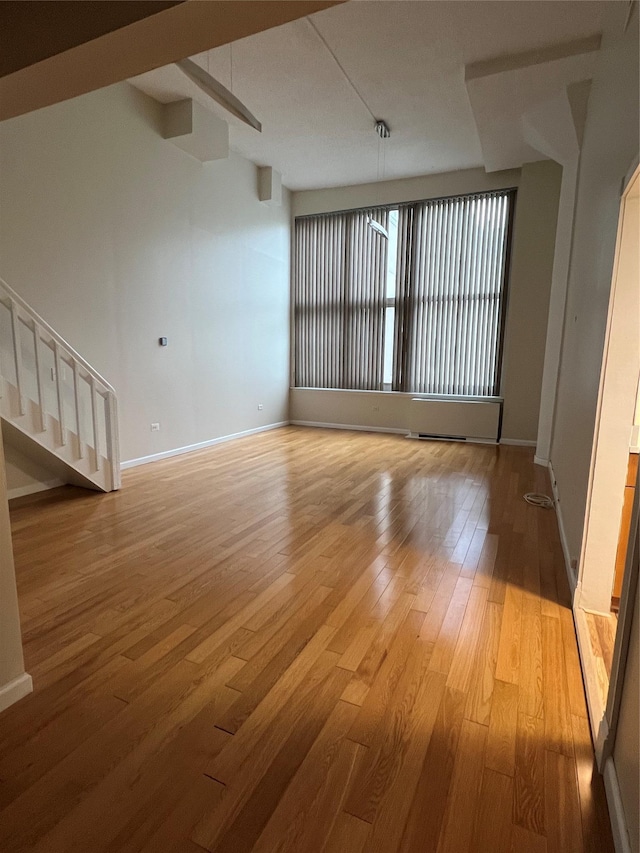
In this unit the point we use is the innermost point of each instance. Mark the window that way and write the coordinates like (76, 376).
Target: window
(409, 298)
(390, 309)
(340, 281)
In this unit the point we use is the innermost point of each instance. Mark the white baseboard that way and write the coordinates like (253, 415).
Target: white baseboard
(178, 451)
(33, 489)
(15, 689)
(563, 535)
(357, 427)
(616, 808)
(600, 741)
(519, 442)
(540, 460)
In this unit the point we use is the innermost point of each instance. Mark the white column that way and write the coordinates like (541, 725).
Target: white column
(557, 300)
(551, 128)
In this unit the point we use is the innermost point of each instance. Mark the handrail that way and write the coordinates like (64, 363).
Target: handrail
(74, 448)
(10, 292)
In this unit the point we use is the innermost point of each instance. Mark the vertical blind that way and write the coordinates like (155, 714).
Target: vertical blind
(448, 297)
(339, 300)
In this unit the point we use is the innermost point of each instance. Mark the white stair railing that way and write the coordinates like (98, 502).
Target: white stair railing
(77, 419)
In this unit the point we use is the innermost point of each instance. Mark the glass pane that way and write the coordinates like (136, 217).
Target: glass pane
(392, 254)
(388, 345)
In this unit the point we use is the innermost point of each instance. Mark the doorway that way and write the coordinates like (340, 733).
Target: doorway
(599, 595)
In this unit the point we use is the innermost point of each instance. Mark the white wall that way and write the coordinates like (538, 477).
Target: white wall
(557, 301)
(409, 189)
(534, 235)
(116, 237)
(610, 144)
(555, 127)
(532, 263)
(377, 410)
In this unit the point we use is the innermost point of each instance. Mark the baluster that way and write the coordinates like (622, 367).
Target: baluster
(113, 449)
(63, 355)
(94, 417)
(17, 354)
(76, 396)
(41, 402)
(59, 393)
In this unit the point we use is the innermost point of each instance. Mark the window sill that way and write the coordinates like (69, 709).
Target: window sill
(413, 395)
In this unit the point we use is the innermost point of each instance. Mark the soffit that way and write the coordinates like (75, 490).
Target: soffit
(406, 61)
(171, 34)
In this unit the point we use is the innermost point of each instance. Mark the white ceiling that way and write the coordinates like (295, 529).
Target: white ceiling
(405, 59)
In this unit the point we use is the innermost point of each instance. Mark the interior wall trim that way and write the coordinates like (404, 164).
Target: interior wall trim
(358, 427)
(15, 690)
(571, 576)
(178, 451)
(616, 809)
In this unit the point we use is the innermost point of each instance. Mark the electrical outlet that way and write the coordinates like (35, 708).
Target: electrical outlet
(260, 407)
(155, 427)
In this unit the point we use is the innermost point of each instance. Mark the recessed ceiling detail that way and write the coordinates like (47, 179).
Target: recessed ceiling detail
(509, 94)
(317, 84)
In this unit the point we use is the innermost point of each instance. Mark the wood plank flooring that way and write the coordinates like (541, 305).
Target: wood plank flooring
(602, 637)
(306, 640)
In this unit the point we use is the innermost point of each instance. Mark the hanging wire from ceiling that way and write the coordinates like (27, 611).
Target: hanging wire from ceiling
(382, 129)
(382, 136)
(341, 67)
(380, 126)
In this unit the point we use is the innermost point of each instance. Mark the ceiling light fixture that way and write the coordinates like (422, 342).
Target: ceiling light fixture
(377, 227)
(382, 129)
(219, 93)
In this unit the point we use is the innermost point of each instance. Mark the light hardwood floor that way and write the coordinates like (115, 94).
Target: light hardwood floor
(301, 641)
(602, 638)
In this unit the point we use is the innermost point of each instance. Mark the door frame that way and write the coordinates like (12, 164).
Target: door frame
(603, 716)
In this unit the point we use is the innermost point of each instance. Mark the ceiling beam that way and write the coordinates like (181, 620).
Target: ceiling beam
(169, 35)
(40, 29)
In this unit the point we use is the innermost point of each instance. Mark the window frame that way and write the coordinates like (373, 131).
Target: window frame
(392, 301)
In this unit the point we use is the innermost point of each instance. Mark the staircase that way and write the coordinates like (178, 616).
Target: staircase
(52, 399)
